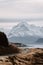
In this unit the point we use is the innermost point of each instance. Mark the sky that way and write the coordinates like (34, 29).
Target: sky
(30, 9)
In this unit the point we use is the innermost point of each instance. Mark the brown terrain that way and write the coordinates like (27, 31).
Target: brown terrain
(29, 56)
(9, 50)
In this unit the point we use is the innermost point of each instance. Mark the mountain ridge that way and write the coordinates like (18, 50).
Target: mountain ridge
(24, 28)
(22, 33)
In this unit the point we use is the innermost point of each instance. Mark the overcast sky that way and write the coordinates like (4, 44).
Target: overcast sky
(21, 8)
(32, 9)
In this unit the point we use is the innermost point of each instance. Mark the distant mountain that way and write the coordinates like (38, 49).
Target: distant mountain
(24, 29)
(20, 30)
(24, 40)
(40, 40)
(24, 33)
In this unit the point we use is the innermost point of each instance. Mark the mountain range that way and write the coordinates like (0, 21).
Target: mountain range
(25, 33)
(24, 29)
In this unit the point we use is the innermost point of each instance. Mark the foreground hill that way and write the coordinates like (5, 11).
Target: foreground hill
(30, 57)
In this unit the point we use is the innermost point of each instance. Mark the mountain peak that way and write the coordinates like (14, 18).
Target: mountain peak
(21, 26)
(20, 30)
(23, 23)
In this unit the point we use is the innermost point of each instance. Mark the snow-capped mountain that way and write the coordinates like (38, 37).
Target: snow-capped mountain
(25, 33)
(20, 30)
(24, 29)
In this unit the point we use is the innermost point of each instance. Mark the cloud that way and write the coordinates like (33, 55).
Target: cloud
(21, 8)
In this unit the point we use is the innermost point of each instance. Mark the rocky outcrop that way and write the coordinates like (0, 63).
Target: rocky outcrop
(3, 40)
(32, 57)
(5, 47)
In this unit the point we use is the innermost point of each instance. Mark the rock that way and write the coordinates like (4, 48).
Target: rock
(3, 40)
(34, 56)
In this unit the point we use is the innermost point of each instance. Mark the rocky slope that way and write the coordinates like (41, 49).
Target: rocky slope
(30, 57)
